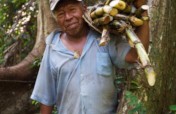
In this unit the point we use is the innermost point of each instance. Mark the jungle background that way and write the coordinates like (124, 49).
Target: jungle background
(24, 25)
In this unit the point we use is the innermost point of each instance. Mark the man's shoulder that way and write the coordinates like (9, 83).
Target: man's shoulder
(94, 33)
(50, 37)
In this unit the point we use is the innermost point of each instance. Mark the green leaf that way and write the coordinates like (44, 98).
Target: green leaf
(172, 107)
(34, 102)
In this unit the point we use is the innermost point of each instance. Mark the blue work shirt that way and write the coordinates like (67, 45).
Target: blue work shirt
(84, 85)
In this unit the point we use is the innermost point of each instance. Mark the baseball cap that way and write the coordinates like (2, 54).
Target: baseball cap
(53, 3)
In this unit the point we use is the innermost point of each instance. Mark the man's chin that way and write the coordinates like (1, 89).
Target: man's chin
(73, 32)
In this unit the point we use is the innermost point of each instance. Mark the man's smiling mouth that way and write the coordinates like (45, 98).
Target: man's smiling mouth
(70, 26)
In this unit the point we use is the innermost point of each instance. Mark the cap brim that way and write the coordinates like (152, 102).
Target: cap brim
(53, 6)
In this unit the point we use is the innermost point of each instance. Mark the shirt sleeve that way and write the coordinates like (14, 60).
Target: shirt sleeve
(45, 85)
(118, 50)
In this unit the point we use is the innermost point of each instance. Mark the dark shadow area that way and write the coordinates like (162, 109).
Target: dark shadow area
(15, 98)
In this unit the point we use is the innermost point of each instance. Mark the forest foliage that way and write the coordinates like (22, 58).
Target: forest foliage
(17, 30)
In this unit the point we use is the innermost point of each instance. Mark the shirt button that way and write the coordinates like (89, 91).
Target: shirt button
(81, 75)
(83, 91)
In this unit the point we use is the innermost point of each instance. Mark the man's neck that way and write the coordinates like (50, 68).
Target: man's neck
(77, 37)
(75, 43)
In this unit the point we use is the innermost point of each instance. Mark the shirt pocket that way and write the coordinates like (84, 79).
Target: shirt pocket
(104, 65)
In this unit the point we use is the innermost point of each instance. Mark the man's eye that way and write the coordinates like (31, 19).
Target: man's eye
(60, 14)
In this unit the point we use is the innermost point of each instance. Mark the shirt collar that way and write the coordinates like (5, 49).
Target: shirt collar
(91, 37)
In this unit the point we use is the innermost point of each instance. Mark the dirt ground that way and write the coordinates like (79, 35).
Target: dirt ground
(15, 98)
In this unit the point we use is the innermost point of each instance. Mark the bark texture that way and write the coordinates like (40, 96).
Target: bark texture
(163, 54)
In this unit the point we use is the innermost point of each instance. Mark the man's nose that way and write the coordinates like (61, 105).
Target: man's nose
(68, 16)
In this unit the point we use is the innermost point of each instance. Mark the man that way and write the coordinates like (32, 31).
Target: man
(76, 74)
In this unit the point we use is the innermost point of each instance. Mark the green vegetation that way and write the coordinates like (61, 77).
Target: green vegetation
(37, 62)
(17, 29)
(37, 105)
(130, 85)
(136, 106)
(172, 109)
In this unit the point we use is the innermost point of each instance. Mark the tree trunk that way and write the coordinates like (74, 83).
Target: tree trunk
(24, 70)
(163, 53)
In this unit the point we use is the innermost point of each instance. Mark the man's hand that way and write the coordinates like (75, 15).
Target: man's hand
(46, 109)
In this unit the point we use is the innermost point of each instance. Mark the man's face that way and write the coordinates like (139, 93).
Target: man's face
(69, 17)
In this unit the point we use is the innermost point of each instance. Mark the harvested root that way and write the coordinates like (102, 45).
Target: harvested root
(104, 37)
(143, 57)
(102, 20)
(120, 5)
(136, 21)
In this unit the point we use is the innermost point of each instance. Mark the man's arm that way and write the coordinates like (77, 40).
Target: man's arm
(45, 109)
(143, 34)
